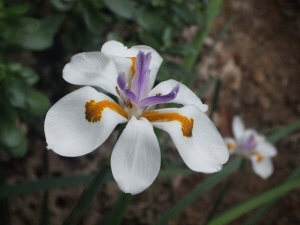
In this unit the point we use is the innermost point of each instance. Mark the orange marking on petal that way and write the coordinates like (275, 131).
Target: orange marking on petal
(132, 68)
(259, 157)
(93, 110)
(186, 124)
(231, 146)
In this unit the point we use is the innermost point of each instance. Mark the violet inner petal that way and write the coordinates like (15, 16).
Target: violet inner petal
(140, 81)
(160, 99)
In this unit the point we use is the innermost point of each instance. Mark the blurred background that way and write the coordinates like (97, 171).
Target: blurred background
(244, 53)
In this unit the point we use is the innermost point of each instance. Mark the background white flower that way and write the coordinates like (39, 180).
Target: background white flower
(249, 144)
(82, 120)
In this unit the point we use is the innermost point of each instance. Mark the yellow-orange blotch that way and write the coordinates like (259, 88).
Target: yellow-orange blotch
(132, 68)
(93, 110)
(259, 157)
(186, 124)
(231, 146)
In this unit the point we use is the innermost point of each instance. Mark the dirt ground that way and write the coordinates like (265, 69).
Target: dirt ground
(258, 62)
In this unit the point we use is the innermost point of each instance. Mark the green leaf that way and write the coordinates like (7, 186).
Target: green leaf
(24, 72)
(91, 17)
(84, 201)
(210, 14)
(262, 210)
(149, 40)
(16, 92)
(283, 132)
(201, 189)
(147, 19)
(37, 104)
(62, 5)
(16, 10)
(67, 181)
(124, 8)
(11, 138)
(42, 38)
(181, 49)
(254, 202)
(119, 209)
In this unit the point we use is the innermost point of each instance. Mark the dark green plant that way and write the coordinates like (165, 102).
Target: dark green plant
(19, 102)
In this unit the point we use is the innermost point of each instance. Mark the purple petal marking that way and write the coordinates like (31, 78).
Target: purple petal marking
(250, 143)
(121, 81)
(160, 99)
(140, 81)
(129, 94)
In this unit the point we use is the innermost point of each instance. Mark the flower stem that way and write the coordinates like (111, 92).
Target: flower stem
(84, 201)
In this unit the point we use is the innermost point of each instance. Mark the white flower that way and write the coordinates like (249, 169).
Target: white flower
(249, 144)
(82, 120)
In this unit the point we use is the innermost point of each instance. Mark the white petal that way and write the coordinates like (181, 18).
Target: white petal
(205, 151)
(263, 168)
(67, 131)
(115, 49)
(185, 96)
(92, 68)
(135, 160)
(238, 128)
(266, 149)
(231, 144)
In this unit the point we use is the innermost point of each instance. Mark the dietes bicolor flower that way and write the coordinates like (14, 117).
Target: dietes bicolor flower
(249, 144)
(82, 120)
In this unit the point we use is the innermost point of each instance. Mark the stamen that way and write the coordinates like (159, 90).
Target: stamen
(186, 124)
(93, 110)
(132, 68)
(231, 146)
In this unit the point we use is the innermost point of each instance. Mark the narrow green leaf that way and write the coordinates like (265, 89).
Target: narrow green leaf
(201, 189)
(254, 202)
(211, 11)
(85, 200)
(262, 210)
(147, 18)
(206, 86)
(124, 8)
(8, 191)
(118, 211)
(91, 17)
(285, 131)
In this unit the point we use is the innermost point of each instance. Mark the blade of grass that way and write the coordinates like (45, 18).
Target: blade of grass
(211, 12)
(118, 211)
(284, 131)
(8, 191)
(254, 202)
(215, 98)
(206, 86)
(262, 210)
(201, 189)
(84, 201)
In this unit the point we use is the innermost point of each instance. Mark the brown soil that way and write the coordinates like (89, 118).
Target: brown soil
(257, 61)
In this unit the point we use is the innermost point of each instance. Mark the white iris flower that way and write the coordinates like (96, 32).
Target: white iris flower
(82, 120)
(249, 144)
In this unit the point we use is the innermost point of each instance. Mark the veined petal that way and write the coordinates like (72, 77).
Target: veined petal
(198, 141)
(238, 128)
(72, 129)
(263, 168)
(135, 159)
(185, 96)
(231, 144)
(92, 68)
(115, 49)
(266, 149)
